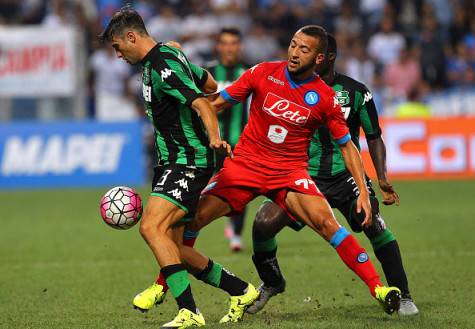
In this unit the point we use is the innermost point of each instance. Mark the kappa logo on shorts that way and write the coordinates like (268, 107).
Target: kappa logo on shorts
(176, 194)
(286, 110)
(183, 183)
(363, 257)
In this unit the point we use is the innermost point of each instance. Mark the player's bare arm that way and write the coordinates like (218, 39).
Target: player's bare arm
(220, 103)
(210, 121)
(210, 86)
(355, 165)
(377, 150)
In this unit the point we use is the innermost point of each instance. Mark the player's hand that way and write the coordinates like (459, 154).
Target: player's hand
(389, 194)
(363, 204)
(173, 44)
(221, 147)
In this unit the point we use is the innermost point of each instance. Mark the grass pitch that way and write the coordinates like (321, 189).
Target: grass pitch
(61, 267)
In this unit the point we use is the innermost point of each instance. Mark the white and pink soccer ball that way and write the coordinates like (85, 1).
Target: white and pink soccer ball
(121, 207)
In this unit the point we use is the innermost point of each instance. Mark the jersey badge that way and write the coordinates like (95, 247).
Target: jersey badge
(343, 97)
(363, 257)
(311, 97)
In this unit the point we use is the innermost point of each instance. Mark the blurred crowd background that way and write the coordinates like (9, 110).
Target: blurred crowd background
(417, 51)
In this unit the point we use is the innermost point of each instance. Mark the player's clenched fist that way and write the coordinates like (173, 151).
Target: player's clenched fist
(389, 194)
(222, 147)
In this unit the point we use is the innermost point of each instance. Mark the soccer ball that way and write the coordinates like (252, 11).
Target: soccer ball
(121, 207)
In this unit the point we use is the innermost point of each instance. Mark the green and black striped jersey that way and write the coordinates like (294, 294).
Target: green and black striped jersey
(232, 120)
(357, 105)
(170, 84)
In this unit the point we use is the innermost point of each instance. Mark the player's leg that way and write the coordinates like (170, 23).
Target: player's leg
(242, 294)
(180, 186)
(315, 212)
(233, 231)
(157, 227)
(386, 249)
(270, 219)
(233, 227)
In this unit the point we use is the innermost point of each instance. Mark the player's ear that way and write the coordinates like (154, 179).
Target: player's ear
(320, 58)
(130, 35)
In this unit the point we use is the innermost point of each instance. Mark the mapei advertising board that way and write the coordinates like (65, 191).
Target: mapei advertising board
(442, 148)
(70, 154)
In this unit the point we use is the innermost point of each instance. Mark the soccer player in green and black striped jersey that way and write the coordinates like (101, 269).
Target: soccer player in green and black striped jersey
(327, 168)
(226, 70)
(186, 133)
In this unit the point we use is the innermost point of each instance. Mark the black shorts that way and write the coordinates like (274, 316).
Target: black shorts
(181, 185)
(341, 189)
(341, 192)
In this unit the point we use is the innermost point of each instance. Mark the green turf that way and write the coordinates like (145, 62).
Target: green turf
(61, 267)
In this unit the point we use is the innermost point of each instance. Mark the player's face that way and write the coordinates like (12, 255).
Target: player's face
(323, 67)
(303, 54)
(126, 48)
(228, 48)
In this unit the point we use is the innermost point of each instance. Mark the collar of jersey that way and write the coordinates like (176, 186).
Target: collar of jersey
(296, 84)
(151, 52)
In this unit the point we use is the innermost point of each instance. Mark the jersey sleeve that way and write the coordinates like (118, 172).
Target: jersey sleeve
(368, 114)
(200, 75)
(170, 78)
(242, 87)
(335, 121)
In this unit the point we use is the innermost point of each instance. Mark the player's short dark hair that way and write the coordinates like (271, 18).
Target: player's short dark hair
(230, 30)
(125, 18)
(332, 48)
(318, 33)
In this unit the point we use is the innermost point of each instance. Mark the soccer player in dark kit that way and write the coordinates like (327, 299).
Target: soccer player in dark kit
(327, 168)
(227, 69)
(186, 133)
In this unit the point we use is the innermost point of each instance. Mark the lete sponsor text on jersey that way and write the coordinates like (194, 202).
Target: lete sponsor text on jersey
(62, 155)
(286, 110)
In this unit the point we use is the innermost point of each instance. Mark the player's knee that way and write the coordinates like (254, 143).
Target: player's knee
(326, 224)
(147, 229)
(377, 228)
(269, 220)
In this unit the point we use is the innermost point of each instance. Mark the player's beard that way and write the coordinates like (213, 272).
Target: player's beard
(302, 69)
(323, 70)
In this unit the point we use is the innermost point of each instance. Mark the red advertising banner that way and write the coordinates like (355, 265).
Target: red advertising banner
(427, 149)
(37, 61)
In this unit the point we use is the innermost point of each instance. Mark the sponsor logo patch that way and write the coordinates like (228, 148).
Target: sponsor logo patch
(277, 134)
(286, 110)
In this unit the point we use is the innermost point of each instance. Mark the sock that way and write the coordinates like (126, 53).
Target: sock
(387, 251)
(356, 258)
(266, 263)
(177, 279)
(190, 242)
(216, 275)
(237, 222)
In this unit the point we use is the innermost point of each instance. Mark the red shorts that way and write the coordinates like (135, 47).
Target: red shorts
(240, 181)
